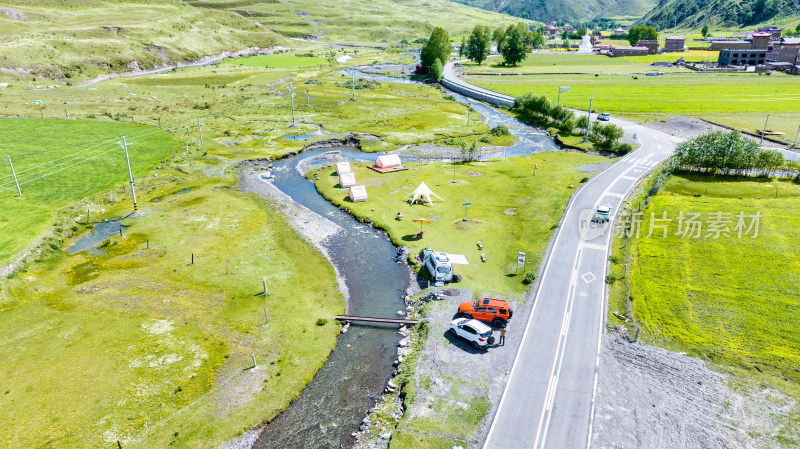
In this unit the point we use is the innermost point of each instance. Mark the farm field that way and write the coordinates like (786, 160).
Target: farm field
(731, 301)
(738, 100)
(574, 63)
(60, 161)
(520, 216)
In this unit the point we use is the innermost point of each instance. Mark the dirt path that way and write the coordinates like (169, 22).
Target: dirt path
(206, 60)
(648, 397)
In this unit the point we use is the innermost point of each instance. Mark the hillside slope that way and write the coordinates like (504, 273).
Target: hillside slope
(575, 10)
(720, 13)
(79, 39)
(85, 37)
(361, 21)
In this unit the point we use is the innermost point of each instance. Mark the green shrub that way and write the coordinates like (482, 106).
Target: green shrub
(322, 322)
(623, 148)
(530, 277)
(500, 130)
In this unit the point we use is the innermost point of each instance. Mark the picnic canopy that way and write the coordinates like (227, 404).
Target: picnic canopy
(357, 194)
(424, 193)
(343, 167)
(347, 179)
(388, 161)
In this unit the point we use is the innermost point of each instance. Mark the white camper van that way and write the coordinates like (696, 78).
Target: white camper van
(438, 265)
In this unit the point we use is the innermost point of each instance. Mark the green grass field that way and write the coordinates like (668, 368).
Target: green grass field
(519, 215)
(278, 61)
(61, 161)
(731, 301)
(574, 63)
(139, 346)
(739, 100)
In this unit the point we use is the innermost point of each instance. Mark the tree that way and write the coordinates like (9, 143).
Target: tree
(797, 30)
(704, 31)
(438, 47)
(479, 43)
(536, 41)
(611, 134)
(463, 49)
(513, 50)
(437, 69)
(642, 33)
(497, 37)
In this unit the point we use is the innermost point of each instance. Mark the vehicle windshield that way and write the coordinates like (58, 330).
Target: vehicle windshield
(486, 334)
(442, 269)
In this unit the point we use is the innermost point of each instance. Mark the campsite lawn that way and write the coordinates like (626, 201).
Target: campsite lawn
(739, 100)
(80, 157)
(512, 210)
(138, 345)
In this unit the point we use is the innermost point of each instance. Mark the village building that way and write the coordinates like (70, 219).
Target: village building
(774, 31)
(675, 43)
(617, 52)
(651, 45)
(738, 57)
(782, 55)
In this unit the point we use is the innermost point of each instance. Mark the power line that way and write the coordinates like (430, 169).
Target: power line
(144, 134)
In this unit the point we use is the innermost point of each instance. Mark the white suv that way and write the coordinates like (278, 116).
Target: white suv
(475, 332)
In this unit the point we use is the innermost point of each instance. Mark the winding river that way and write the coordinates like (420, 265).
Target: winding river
(333, 404)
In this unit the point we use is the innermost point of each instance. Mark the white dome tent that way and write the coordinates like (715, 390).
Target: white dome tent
(423, 193)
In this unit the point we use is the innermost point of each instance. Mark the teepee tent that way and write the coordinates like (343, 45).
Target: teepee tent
(357, 194)
(343, 167)
(423, 193)
(347, 179)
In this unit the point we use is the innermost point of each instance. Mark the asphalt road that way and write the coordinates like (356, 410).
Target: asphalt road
(549, 397)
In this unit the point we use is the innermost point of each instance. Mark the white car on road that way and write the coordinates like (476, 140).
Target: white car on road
(475, 332)
(604, 116)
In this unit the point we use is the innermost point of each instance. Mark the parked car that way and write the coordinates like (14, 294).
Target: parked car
(604, 116)
(478, 334)
(603, 213)
(495, 311)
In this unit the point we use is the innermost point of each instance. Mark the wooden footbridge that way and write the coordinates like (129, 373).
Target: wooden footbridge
(369, 319)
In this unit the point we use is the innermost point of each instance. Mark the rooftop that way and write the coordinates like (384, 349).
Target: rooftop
(676, 38)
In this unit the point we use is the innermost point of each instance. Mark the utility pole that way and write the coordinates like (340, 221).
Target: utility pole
(291, 95)
(199, 129)
(308, 101)
(130, 173)
(354, 83)
(765, 130)
(15, 175)
(589, 117)
(796, 136)
(469, 108)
